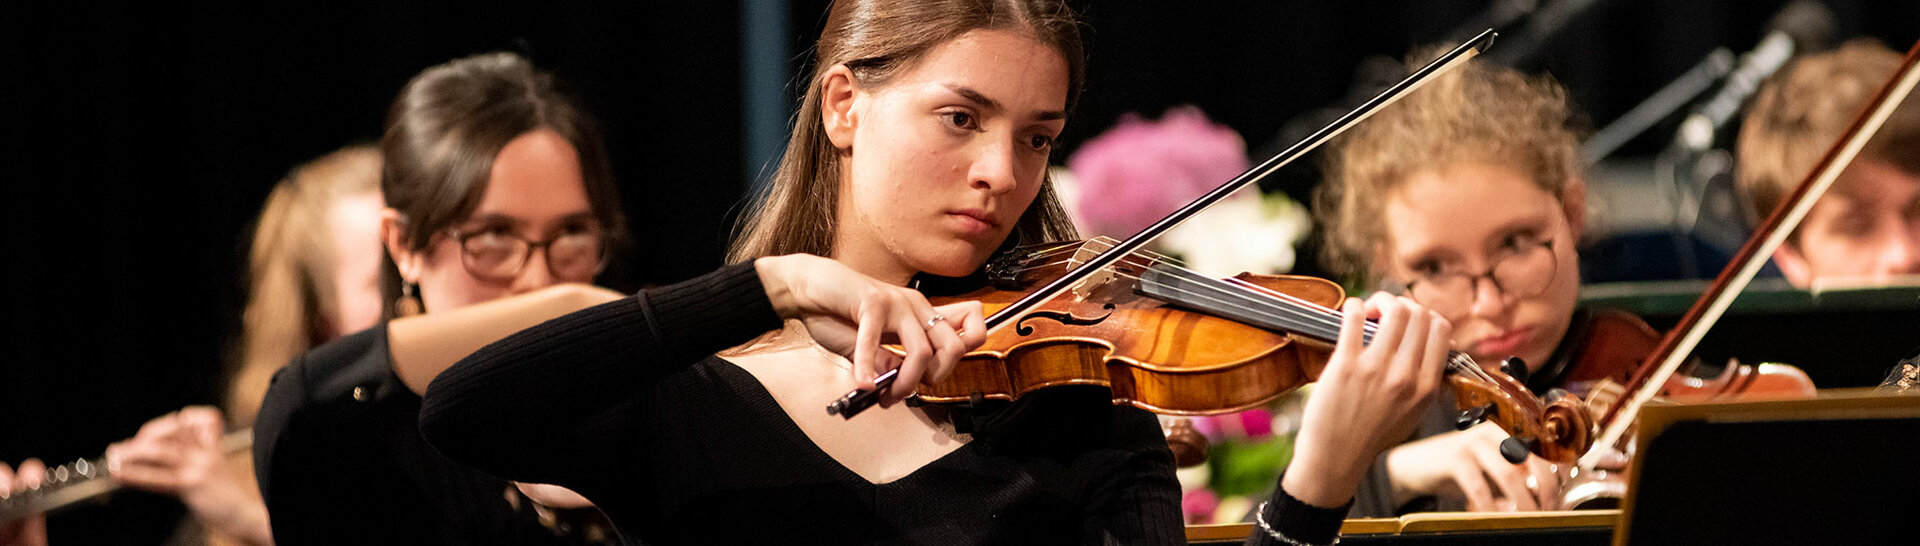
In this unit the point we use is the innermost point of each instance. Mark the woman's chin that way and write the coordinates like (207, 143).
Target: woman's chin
(960, 261)
(957, 269)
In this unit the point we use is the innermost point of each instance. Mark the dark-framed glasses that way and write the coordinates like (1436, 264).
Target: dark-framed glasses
(575, 254)
(1523, 267)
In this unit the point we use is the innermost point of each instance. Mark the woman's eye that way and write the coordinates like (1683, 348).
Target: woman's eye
(1519, 242)
(1041, 142)
(1426, 269)
(1512, 243)
(961, 120)
(488, 240)
(1854, 227)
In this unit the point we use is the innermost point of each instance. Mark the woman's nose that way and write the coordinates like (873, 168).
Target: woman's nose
(1488, 298)
(993, 166)
(534, 274)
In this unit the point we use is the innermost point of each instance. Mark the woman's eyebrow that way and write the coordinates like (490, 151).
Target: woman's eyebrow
(1435, 255)
(494, 219)
(582, 216)
(1529, 225)
(989, 104)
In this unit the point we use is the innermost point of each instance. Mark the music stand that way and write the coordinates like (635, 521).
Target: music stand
(1836, 469)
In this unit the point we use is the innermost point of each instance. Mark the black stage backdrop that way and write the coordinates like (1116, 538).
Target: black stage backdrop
(141, 138)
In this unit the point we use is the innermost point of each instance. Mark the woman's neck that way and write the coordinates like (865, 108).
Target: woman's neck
(874, 262)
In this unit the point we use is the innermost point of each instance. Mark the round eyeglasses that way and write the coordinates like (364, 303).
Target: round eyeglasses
(1523, 267)
(497, 254)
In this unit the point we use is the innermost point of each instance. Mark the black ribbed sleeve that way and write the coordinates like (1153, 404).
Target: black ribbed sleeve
(522, 407)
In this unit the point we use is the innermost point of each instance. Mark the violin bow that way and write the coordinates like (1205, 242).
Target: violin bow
(859, 400)
(1685, 336)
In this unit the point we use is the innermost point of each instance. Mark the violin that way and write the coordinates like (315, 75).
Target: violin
(1173, 341)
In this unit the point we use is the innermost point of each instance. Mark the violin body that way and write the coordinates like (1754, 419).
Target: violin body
(1613, 344)
(1765, 381)
(1616, 344)
(1152, 355)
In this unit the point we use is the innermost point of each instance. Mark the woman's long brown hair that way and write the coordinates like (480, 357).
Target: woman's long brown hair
(877, 39)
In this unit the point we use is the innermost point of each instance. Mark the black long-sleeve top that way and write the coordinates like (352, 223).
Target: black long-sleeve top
(625, 404)
(340, 460)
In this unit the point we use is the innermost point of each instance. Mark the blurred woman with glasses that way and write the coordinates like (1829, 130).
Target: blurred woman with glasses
(496, 185)
(1468, 196)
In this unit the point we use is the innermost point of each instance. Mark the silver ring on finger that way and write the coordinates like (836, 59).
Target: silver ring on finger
(936, 319)
(1533, 483)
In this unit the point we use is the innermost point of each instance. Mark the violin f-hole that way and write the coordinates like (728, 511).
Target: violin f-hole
(1065, 318)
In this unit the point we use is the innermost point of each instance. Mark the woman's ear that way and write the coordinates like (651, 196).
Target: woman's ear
(837, 111)
(393, 234)
(1573, 201)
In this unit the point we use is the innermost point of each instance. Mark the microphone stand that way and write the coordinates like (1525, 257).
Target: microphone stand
(1669, 99)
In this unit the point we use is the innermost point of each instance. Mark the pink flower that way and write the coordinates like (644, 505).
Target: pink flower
(1209, 426)
(1140, 170)
(1198, 505)
(1257, 422)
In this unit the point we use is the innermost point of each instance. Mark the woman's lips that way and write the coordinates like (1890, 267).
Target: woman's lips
(972, 222)
(1504, 343)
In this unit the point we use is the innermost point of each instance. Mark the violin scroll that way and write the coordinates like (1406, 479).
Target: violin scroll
(1559, 430)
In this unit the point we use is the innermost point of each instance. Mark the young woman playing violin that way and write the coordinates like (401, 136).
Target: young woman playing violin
(1468, 194)
(693, 412)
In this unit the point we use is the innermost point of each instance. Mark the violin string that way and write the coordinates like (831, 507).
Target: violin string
(1325, 314)
(1209, 299)
(1317, 319)
(1047, 254)
(1236, 303)
(1309, 307)
(1284, 309)
(1070, 261)
(1098, 245)
(1457, 362)
(1327, 319)
(1330, 319)
(1301, 311)
(1454, 360)
(1226, 299)
(1155, 256)
(1311, 323)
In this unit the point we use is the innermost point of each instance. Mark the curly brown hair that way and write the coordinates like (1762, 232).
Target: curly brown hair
(1477, 112)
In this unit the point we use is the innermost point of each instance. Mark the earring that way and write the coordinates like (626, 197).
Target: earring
(409, 303)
